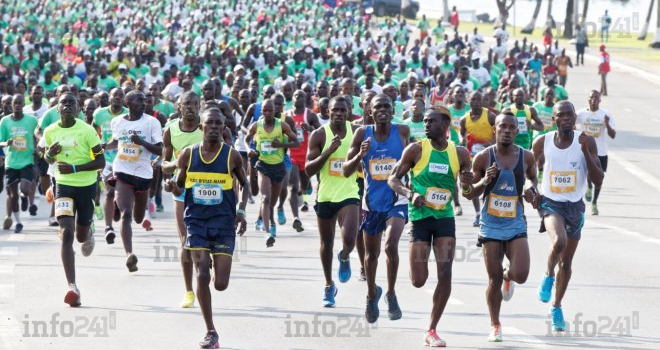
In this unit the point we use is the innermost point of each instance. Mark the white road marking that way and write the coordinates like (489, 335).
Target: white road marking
(621, 230)
(627, 110)
(518, 335)
(8, 251)
(16, 237)
(637, 171)
(451, 301)
(655, 120)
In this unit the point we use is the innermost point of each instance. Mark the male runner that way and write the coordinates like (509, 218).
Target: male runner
(527, 117)
(568, 157)
(75, 149)
(378, 147)
(337, 198)
(207, 172)
(434, 164)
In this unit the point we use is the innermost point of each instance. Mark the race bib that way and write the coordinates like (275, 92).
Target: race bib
(205, 194)
(594, 129)
(522, 125)
(563, 181)
(300, 134)
(477, 147)
(380, 169)
(19, 143)
(418, 134)
(64, 206)
(437, 198)
(547, 122)
(456, 123)
(502, 206)
(129, 152)
(267, 149)
(334, 168)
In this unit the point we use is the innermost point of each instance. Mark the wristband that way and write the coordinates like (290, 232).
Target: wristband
(240, 212)
(468, 190)
(74, 168)
(49, 157)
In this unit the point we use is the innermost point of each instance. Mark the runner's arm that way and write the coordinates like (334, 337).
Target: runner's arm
(463, 121)
(537, 123)
(479, 166)
(315, 157)
(180, 183)
(354, 156)
(410, 157)
(590, 150)
(248, 116)
(531, 194)
(239, 174)
(537, 150)
(611, 132)
(167, 166)
(293, 138)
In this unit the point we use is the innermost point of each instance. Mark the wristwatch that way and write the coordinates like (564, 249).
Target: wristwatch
(411, 194)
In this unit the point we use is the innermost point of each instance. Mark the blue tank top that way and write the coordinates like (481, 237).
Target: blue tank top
(378, 164)
(210, 200)
(502, 215)
(257, 112)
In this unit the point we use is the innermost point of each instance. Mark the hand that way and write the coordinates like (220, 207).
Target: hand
(364, 147)
(168, 185)
(491, 172)
(533, 197)
(306, 127)
(334, 144)
(607, 120)
(64, 168)
(276, 144)
(54, 150)
(252, 153)
(418, 200)
(136, 139)
(10, 142)
(583, 142)
(241, 224)
(466, 178)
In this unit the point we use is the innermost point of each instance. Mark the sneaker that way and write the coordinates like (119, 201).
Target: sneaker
(88, 247)
(33, 210)
(344, 268)
(507, 289)
(117, 214)
(7, 223)
(363, 276)
(152, 209)
(110, 235)
(270, 237)
(558, 323)
(210, 341)
(545, 289)
(281, 219)
(310, 190)
(259, 225)
(432, 339)
(24, 203)
(297, 225)
(587, 196)
(146, 223)
(72, 297)
(188, 300)
(458, 211)
(250, 200)
(329, 295)
(305, 207)
(18, 228)
(594, 209)
(393, 309)
(475, 223)
(495, 334)
(372, 312)
(131, 263)
(99, 212)
(52, 222)
(160, 208)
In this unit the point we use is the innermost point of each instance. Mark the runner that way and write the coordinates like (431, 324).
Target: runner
(337, 198)
(74, 148)
(434, 164)
(458, 108)
(568, 157)
(416, 122)
(499, 174)
(102, 121)
(17, 134)
(269, 133)
(477, 134)
(528, 119)
(378, 147)
(210, 215)
(136, 136)
(563, 62)
(89, 107)
(596, 122)
(178, 135)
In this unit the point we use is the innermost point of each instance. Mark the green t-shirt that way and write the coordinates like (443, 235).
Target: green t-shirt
(456, 114)
(102, 119)
(417, 132)
(52, 116)
(438, 31)
(545, 114)
(49, 87)
(21, 152)
(423, 26)
(76, 81)
(108, 83)
(270, 74)
(77, 142)
(165, 107)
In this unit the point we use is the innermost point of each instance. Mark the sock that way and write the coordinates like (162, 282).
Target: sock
(17, 216)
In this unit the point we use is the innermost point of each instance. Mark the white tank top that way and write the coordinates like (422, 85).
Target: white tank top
(564, 170)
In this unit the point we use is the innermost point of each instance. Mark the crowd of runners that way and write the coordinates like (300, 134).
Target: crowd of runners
(377, 126)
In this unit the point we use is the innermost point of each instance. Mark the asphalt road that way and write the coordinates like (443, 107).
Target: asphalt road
(274, 297)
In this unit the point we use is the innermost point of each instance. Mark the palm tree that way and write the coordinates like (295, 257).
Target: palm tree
(548, 20)
(568, 22)
(504, 11)
(656, 39)
(585, 8)
(529, 29)
(642, 34)
(447, 14)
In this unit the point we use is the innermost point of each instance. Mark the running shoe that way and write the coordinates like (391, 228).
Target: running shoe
(310, 190)
(52, 221)
(110, 235)
(495, 334)
(344, 268)
(372, 312)
(305, 207)
(24, 203)
(458, 211)
(281, 219)
(146, 223)
(297, 225)
(393, 309)
(210, 341)
(18, 228)
(250, 200)
(587, 196)
(545, 289)
(475, 223)
(188, 300)
(33, 210)
(160, 208)
(88, 246)
(270, 237)
(507, 289)
(558, 323)
(363, 276)
(152, 209)
(432, 339)
(594, 209)
(259, 225)
(7, 223)
(329, 295)
(72, 297)
(131, 262)
(99, 212)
